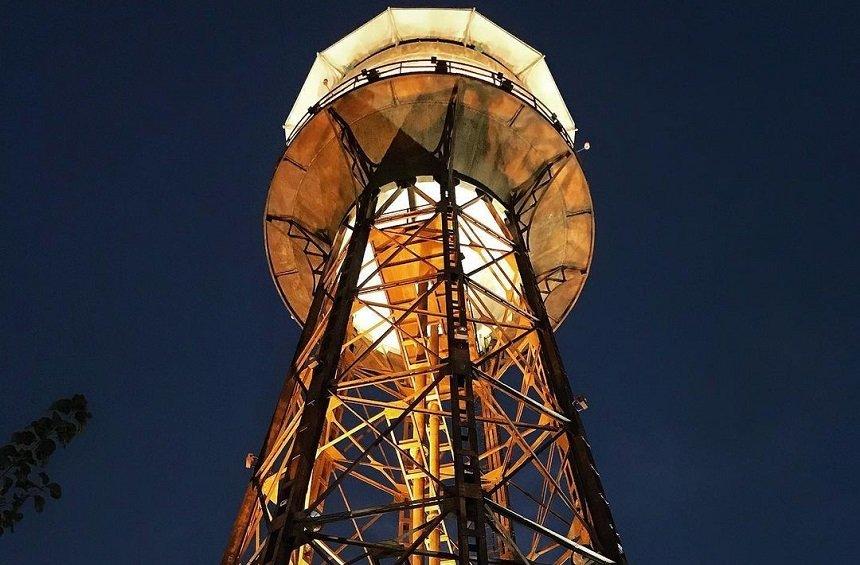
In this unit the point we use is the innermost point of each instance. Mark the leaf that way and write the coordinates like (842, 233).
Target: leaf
(62, 405)
(43, 426)
(8, 518)
(45, 448)
(55, 490)
(25, 456)
(44, 476)
(79, 402)
(39, 503)
(66, 432)
(6, 485)
(24, 437)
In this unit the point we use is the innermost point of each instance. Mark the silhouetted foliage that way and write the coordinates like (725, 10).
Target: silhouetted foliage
(23, 460)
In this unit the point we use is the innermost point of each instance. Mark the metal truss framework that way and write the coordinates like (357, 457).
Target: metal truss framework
(316, 248)
(426, 417)
(525, 201)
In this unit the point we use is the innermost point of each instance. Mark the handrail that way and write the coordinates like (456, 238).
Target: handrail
(432, 65)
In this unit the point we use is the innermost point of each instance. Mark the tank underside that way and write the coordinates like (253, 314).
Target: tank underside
(502, 141)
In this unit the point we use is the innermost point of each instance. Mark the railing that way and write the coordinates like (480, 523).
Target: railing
(436, 66)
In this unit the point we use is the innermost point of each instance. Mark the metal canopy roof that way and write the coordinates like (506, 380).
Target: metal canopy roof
(395, 26)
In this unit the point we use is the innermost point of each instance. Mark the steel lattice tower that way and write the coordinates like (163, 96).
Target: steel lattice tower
(429, 225)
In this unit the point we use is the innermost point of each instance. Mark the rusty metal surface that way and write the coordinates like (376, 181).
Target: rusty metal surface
(504, 142)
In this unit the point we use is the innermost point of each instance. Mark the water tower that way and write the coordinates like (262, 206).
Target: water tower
(429, 226)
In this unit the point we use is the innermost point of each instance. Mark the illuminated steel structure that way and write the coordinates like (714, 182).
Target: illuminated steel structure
(429, 225)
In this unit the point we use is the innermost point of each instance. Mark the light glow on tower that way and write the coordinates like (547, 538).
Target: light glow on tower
(429, 225)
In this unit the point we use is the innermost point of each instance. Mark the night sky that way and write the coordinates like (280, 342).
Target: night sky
(716, 338)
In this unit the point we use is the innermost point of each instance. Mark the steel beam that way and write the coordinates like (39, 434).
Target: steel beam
(588, 485)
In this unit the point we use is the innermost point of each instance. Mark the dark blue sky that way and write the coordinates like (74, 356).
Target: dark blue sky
(716, 338)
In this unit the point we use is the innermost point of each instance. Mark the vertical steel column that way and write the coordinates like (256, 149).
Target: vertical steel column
(471, 534)
(252, 494)
(292, 491)
(586, 478)
(435, 405)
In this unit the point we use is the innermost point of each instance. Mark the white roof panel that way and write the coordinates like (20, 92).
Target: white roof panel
(505, 47)
(465, 26)
(425, 23)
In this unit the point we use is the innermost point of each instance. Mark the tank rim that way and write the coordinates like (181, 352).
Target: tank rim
(432, 65)
(428, 66)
